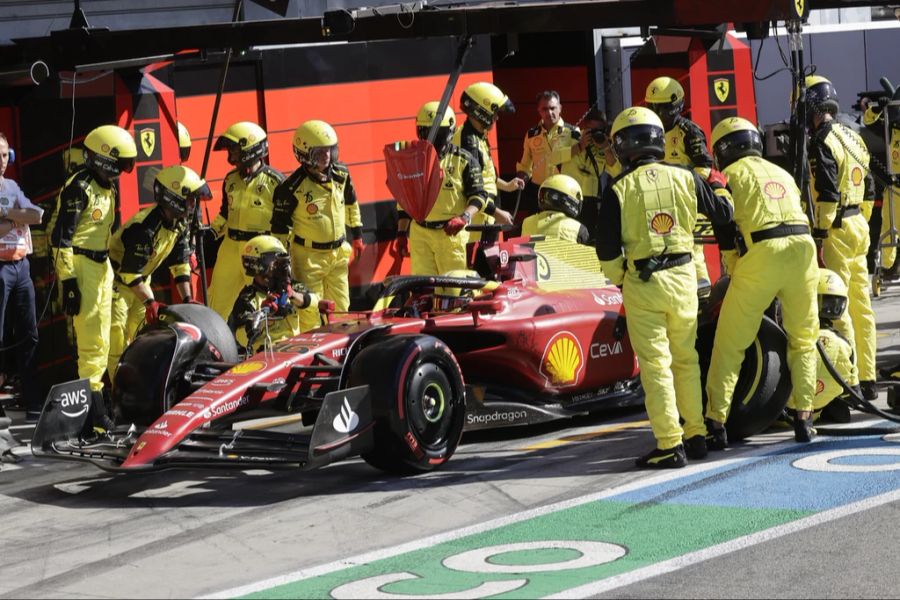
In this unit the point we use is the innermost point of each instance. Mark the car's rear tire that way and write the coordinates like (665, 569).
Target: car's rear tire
(764, 384)
(211, 324)
(418, 401)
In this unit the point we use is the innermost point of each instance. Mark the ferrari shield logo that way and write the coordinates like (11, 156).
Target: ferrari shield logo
(148, 141)
(722, 88)
(799, 5)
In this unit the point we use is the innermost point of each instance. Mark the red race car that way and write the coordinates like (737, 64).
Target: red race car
(538, 335)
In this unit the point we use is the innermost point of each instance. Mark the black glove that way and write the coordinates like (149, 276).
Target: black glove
(71, 297)
(620, 328)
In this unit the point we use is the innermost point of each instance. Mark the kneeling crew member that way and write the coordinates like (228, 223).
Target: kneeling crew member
(246, 208)
(779, 262)
(649, 212)
(317, 203)
(79, 238)
(154, 236)
(560, 201)
(438, 244)
(832, 295)
(290, 309)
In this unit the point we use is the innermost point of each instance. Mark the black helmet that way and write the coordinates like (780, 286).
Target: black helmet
(638, 133)
(735, 138)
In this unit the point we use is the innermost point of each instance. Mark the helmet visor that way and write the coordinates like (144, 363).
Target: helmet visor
(322, 157)
(550, 199)
(125, 165)
(832, 307)
(737, 145)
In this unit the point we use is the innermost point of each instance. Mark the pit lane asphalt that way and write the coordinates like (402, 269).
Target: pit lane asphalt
(70, 530)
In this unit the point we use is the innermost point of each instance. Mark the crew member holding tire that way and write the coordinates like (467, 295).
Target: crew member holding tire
(155, 236)
(685, 145)
(317, 204)
(778, 261)
(79, 239)
(246, 208)
(438, 244)
(273, 303)
(482, 104)
(644, 244)
(843, 191)
(560, 202)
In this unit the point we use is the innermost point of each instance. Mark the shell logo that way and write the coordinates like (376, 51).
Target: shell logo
(563, 360)
(662, 223)
(312, 209)
(252, 138)
(895, 154)
(248, 367)
(96, 214)
(104, 148)
(856, 176)
(774, 190)
(176, 185)
(820, 386)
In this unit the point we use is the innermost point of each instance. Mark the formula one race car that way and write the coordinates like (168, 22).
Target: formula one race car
(537, 335)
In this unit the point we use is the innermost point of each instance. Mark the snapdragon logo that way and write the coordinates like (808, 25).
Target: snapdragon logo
(508, 416)
(417, 175)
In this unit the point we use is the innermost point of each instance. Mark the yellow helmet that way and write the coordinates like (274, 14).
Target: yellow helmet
(260, 252)
(179, 188)
(184, 142)
(665, 97)
(483, 101)
(425, 117)
(110, 150)
(249, 137)
(311, 135)
(638, 132)
(560, 193)
(832, 295)
(735, 138)
(452, 299)
(821, 96)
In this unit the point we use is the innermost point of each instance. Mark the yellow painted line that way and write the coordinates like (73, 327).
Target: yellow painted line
(267, 422)
(582, 437)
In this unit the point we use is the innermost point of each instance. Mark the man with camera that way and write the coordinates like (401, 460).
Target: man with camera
(587, 167)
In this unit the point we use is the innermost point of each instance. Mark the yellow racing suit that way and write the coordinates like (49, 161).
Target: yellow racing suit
(889, 253)
(318, 214)
(647, 217)
(553, 224)
(843, 191)
(136, 250)
(79, 237)
(287, 320)
(469, 139)
(686, 146)
(432, 251)
(840, 353)
(779, 262)
(246, 212)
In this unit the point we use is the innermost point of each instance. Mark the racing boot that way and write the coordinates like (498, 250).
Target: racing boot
(695, 447)
(869, 390)
(716, 437)
(673, 458)
(803, 429)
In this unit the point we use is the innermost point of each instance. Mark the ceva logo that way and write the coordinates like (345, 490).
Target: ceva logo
(347, 420)
(74, 403)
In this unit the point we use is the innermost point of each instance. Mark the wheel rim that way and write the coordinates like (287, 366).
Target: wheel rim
(430, 406)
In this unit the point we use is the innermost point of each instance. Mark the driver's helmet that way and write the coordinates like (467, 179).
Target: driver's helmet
(454, 299)
(832, 295)
(260, 253)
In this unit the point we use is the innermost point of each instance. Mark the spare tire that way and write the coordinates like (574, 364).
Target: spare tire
(764, 383)
(224, 347)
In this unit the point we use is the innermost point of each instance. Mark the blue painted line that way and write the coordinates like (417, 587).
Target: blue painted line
(771, 482)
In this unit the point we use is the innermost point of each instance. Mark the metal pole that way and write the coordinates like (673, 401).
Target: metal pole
(800, 165)
(198, 239)
(461, 53)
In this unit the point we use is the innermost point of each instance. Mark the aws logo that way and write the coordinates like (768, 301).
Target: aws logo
(563, 360)
(74, 404)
